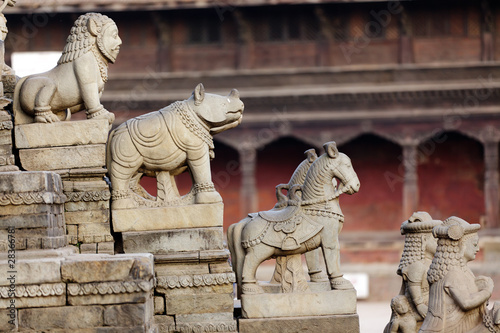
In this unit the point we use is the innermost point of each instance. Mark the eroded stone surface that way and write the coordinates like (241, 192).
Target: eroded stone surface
(313, 324)
(165, 218)
(58, 134)
(177, 240)
(88, 156)
(333, 302)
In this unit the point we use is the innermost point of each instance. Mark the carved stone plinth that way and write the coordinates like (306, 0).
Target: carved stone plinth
(90, 292)
(172, 241)
(325, 324)
(299, 304)
(163, 218)
(76, 150)
(194, 292)
(6, 158)
(31, 211)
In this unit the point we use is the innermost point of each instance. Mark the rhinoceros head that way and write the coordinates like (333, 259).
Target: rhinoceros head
(219, 113)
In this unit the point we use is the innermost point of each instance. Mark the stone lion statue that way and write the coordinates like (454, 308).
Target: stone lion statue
(77, 82)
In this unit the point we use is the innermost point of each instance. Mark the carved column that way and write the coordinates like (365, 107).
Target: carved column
(491, 193)
(410, 185)
(248, 192)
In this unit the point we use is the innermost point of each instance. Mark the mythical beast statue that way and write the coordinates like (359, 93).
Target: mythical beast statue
(77, 82)
(166, 143)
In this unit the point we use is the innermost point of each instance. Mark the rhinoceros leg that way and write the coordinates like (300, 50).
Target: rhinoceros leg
(204, 189)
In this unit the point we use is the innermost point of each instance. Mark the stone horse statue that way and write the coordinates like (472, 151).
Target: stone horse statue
(308, 222)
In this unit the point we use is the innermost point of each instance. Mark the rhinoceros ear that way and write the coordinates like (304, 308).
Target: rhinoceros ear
(331, 149)
(199, 94)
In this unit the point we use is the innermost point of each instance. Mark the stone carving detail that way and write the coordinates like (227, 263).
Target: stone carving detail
(256, 238)
(30, 198)
(35, 290)
(207, 327)
(77, 81)
(6, 125)
(457, 298)
(418, 252)
(166, 143)
(189, 281)
(87, 196)
(7, 160)
(107, 288)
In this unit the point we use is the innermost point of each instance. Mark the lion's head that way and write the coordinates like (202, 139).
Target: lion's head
(92, 29)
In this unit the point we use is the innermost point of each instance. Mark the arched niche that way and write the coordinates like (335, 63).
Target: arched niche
(378, 204)
(451, 177)
(276, 163)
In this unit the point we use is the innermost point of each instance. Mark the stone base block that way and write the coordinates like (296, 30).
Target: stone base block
(171, 241)
(325, 303)
(306, 324)
(58, 158)
(164, 218)
(64, 133)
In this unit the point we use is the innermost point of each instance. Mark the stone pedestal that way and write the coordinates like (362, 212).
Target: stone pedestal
(321, 310)
(76, 150)
(194, 290)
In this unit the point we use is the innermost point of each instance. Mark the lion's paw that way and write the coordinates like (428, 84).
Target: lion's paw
(46, 117)
(208, 197)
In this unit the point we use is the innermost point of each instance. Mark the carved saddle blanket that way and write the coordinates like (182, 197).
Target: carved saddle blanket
(288, 228)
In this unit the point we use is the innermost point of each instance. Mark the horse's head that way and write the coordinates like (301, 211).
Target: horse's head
(341, 166)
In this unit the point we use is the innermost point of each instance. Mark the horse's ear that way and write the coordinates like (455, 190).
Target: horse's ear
(331, 149)
(92, 27)
(311, 155)
(199, 94)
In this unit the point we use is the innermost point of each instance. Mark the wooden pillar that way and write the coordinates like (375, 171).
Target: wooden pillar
(248, 192)
(487, 40)
(405, 39)
(246, 49)
(491, 193)
(410, 185)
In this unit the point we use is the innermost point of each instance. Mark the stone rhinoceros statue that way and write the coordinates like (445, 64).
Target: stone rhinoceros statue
(166, 143)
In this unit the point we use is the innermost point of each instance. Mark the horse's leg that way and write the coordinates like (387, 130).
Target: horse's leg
(253, 258)
(313, 260)
(237, 251)
(331, 252)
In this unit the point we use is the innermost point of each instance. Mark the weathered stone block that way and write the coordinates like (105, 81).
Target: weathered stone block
(5, 137)
(67, 317)
(164, 323)
(159, 302)
(129, 315)
(135, 297)
(64, 133)
(332, 302)
(58, 158)
(181, 269)
(106, 247)
(93, 229)
(28, 209)
(42, 182)
(102, 267)
(204, 317)
(79, 206)
(34, 302)
(207, 303)
(32, 271)
(8, 320)
(195, 285)
(88, 248)
(87, 217)
(311, 324)
(223, 267)
(179, 217)
(43, 220)
(177, 240)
